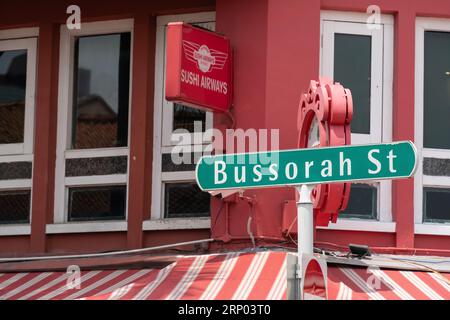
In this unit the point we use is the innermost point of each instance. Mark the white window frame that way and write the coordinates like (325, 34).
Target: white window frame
(163, 137)
(169, 138)
(21, 38)
(382, 85)
(29, 44)
(63, 151)
(421, 180)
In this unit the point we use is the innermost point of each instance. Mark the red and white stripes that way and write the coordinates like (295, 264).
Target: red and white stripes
(236, 275)
(368, 284)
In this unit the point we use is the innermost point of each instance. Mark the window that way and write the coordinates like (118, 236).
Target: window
(185, 200)
(436, 131)
(101, 92)
(363, 202)
(17, 90)
(436, 204)
(93, 122)
(176, 116)
(17, 81)
(352, 68)
(432, 133)
(15, 207)
(97, 203)
(360, 58)
(174, 192)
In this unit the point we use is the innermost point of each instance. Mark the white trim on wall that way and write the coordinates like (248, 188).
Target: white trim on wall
(29, 44)
(9, 185)
(19, 39)
(421, 180)
(19, 33)
(15, 230)
(436, 229)
(87, 227)
(382, 97)
(177, 224)
(63, 152)
(361, 225)
(163, 113)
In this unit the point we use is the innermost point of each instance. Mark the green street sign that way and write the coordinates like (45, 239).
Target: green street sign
(307, 166)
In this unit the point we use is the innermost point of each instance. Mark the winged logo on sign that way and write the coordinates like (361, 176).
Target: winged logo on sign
(206, 59)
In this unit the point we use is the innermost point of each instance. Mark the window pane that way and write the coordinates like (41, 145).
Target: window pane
(101, 91)
(437, 90)
(97, 203)
(15, 207)
(13, 76)
(352, 68)
(362, 203)
(436, 204)
(184, 117)
(185, 200)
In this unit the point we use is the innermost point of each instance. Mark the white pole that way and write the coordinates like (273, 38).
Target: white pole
(305, 221)
(305, 231)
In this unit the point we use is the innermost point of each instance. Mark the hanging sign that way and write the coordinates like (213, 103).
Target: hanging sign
(198, 68)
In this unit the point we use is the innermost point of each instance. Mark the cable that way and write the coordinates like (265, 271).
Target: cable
(424, 261)
(249, 230)
(438, 273)
(114, 253)
(405, 260)
(233, 122)
(213, 226)
(388, 249)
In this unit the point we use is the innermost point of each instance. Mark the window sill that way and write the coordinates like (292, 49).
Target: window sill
(177, 224)
(87, 227)
(361, 225)
(15, 230)
(432, 229)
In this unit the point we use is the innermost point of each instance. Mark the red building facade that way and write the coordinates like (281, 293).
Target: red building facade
(91, 156)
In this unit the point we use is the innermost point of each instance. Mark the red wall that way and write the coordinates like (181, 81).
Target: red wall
(276, 54)
(48, 16)
(286, 34)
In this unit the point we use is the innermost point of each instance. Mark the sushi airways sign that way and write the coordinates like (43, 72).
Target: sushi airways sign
(307, 166)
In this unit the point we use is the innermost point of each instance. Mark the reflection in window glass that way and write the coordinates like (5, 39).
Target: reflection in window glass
(436, 204)
(184, 118)
(352, 68)
(437, 90)
(101, 91)
(13, 75)
(15, 207)
(97, 203)
(362, 203)
(185, 200)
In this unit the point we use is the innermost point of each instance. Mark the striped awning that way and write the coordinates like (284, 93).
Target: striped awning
(349, 283)
(218, 276)
(237, 275)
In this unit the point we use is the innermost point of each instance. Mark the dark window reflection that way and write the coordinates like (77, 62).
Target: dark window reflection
(184, 117)
(436, 204)
(101, 91)
(97, 203)
(185, 200)
(15, 207)
(437, 90)
(352, 68)
(362, 203)
(13, 75)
